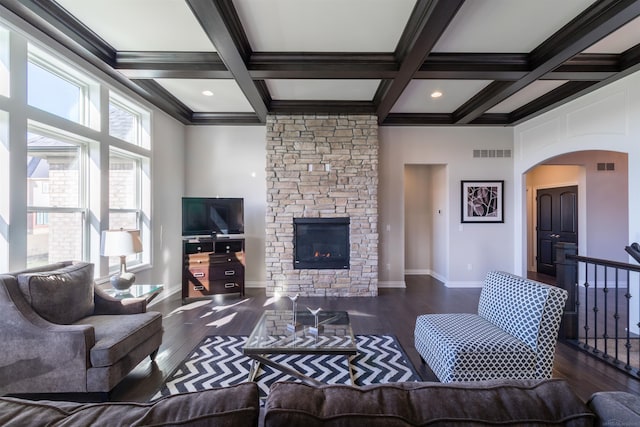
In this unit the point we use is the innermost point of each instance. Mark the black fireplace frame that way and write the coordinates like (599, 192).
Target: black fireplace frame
(342, 263)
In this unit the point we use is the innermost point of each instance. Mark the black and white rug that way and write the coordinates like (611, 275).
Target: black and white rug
(218, 361)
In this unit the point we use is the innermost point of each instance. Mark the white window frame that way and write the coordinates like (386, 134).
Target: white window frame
(141, 258)
(143, 119)
(89, 102)
(82, 208)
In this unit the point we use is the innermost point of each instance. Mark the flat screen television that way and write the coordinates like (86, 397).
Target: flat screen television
(208, 215)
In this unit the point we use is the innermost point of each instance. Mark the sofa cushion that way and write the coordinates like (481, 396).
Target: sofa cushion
(467, 347)
(229, 406)
(61, 296)
(616, 408)
(117, 335)
(506, 402)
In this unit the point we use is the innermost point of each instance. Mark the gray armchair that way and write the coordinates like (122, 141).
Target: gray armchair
(62, 334)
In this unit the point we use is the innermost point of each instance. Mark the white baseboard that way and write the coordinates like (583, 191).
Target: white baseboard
(470, 284)
(392, 284)
(418, 272)
(254, 284)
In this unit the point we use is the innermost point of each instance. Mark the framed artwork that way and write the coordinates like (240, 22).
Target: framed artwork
(482, 201)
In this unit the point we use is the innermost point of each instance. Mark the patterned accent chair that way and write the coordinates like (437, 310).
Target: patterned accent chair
(513, 336)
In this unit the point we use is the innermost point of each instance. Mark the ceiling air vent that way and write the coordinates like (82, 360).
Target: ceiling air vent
(606, 166)
(491, 153)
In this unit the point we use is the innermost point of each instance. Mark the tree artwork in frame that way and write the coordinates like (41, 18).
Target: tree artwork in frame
(482, 201)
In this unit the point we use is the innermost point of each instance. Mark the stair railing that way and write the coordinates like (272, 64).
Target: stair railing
(602, 314)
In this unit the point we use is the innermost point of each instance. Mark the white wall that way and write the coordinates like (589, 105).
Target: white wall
(230, 161)
(167, 186)
(606, 119)
(482, 246)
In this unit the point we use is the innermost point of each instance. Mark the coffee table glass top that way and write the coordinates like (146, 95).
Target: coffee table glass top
(274, 334)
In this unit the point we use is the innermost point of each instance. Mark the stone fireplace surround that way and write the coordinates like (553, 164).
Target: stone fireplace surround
(321, 166)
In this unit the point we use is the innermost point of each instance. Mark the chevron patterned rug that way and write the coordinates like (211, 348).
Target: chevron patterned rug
(218, 361)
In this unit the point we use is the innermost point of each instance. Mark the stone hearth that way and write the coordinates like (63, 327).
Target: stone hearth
(321, 166)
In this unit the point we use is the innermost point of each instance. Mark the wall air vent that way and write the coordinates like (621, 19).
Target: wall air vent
(606, 166)
(491, 153)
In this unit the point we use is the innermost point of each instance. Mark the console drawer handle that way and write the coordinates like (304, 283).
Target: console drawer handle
(198, 288)
(230, 285)
(198, 275)
(230, 273)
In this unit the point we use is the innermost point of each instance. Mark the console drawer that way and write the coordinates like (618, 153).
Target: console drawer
(198, 289)
(227, 258)
(198, 273)
(200, 258)
(225, 286)
(231, 271)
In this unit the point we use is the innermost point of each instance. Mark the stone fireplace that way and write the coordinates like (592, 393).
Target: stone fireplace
(322, 166)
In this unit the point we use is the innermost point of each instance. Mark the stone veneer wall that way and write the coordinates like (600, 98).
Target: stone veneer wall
(342, 151)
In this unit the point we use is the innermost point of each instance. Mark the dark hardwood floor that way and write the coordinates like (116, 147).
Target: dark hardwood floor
(393, 312)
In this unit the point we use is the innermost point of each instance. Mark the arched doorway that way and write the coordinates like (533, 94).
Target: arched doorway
(603, 206)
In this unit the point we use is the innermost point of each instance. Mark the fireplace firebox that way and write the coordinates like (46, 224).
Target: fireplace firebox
(321, 243)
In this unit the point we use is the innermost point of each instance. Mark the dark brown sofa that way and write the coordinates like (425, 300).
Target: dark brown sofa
(498, 402)
(62, 334)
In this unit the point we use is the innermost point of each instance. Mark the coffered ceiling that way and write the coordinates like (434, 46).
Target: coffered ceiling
(495, 62)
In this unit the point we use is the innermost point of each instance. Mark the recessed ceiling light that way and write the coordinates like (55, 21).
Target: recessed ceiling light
(207, 93)
(436, 94)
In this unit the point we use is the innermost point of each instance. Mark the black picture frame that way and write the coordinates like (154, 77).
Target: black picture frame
(482, 201)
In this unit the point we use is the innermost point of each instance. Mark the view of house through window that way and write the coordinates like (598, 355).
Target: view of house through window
(124, 197)
(55, 200)
(68, 204)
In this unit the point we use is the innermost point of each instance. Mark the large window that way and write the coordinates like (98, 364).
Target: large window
(127, 121)
(59, 89)
(72, 163)
(56, 202)
(4, 62)
(125, 210)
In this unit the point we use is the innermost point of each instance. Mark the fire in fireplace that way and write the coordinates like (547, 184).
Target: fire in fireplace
(321, 243)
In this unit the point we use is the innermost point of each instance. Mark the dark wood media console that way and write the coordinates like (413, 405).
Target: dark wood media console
(212, 267)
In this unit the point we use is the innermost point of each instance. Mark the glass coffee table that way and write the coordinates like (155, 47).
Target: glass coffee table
(275, 334)
(148, 292)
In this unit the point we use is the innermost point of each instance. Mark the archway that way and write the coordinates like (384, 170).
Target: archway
(603, 205)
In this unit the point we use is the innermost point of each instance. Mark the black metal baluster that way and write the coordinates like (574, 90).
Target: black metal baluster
(605, 294)
(616, 316)
(595, 308)
(586, 305)
(627, 344)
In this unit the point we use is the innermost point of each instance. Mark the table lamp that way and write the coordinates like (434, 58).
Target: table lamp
(121, 243)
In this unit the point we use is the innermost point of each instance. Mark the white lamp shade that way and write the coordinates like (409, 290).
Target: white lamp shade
(120, 242)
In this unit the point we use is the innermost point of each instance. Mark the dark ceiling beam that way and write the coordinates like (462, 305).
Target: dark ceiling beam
(630, 58)
(278, 65)
(416, 43)
(485, 66)
(337, 107)
(417, 119)
(599, 20)
(210, 16)
(229, 119)
(171, 65)
(311, 65)
(164, 100)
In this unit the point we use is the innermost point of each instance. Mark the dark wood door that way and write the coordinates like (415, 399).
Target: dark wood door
(557, 222)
